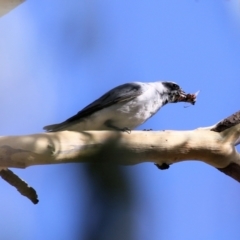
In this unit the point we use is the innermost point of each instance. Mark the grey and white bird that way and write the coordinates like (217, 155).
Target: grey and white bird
(124, 107)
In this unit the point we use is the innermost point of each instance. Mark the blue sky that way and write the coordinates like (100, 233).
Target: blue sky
(57, 57)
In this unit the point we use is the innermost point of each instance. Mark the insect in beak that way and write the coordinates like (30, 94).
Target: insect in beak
(191, 98)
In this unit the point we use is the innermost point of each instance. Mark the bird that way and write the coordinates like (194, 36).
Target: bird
(124, 107)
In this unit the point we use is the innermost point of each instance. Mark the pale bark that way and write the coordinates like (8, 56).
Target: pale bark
(214, 145)
(216, 149)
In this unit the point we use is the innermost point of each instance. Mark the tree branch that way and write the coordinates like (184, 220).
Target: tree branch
(215, 146)
(216, 149)
(19, 184)
(233, 169)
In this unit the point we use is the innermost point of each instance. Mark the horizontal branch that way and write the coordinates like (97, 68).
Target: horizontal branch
(214, 145)
(214, 148)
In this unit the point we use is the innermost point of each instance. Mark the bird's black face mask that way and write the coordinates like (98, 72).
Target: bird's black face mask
(176, 94)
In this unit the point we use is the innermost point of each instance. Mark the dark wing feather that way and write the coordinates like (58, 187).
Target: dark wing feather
(118, 94)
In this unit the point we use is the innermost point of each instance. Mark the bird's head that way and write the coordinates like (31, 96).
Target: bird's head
(174, 93)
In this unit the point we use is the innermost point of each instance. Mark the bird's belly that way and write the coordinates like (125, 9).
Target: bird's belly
(129, 114)
(121, 115)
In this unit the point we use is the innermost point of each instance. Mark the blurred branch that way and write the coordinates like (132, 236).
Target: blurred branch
(214, 145)
(7, 5)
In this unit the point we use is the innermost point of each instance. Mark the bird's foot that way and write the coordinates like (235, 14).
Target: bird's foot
(164, 166)
(126, 129)
(109, 124)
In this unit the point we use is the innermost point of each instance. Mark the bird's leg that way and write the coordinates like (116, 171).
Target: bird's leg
(126, 129)
(109, 124)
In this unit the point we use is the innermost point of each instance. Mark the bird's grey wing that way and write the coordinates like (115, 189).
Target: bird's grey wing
(125, 92)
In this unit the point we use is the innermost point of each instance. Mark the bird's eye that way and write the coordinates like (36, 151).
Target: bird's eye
(171, 86)
(175, 86)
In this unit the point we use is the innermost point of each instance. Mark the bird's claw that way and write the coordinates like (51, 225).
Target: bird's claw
(126, 129)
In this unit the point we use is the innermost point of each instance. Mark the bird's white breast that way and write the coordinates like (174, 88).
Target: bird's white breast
(126, 114)
(130, 114)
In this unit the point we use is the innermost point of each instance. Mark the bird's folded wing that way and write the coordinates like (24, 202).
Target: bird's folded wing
(125, 92)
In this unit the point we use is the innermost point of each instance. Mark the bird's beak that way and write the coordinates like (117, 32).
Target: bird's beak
(181, 96)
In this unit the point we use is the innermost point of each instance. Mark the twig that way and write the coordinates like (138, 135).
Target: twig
(19, 184)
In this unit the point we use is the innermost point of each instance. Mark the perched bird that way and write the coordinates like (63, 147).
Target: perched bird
(124, 107)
